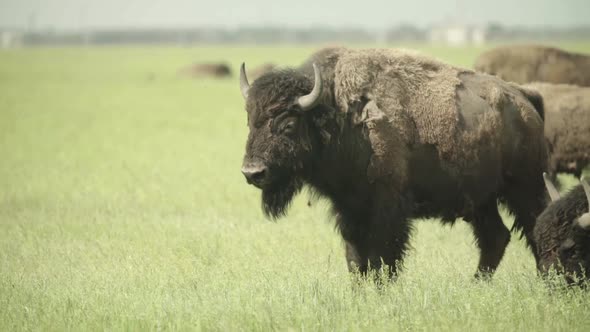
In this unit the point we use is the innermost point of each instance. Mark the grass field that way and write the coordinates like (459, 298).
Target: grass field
(122, 207)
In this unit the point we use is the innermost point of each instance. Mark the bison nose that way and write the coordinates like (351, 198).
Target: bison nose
(255, 174)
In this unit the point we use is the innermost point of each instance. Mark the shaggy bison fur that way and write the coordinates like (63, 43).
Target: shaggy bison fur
(389, 135)
(567, 126)
(526, 64)
(562, 232)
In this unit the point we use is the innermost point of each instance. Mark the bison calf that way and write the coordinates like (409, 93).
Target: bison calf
(562, 232)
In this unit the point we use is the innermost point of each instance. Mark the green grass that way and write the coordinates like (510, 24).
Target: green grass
(122, 207)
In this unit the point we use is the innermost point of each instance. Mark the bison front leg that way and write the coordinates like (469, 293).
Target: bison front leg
(387, 246)
(491, 236)
(377, 254)
(379, 244)
(355, 261)
(354, 238)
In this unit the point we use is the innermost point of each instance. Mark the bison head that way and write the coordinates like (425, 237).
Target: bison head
(573, 251)
(281, 107)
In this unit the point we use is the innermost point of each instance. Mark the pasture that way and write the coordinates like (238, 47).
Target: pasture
(122, 207)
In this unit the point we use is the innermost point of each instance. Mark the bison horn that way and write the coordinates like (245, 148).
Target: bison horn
(584, 220)
(553, 193)
(307, 102)
(586, 186)
(244, 85)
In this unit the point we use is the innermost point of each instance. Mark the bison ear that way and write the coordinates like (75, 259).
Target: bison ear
(553, 193)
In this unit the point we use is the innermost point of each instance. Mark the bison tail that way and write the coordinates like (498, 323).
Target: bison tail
(536, 99)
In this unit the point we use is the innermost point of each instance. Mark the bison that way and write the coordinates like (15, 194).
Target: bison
(202, 70)
(567, 126)
(526, 64)
(562, 232)
(261, 70)
(389, 135)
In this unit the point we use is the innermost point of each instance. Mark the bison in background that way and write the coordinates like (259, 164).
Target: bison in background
(261, 70)
(562, 232)
(526, 64)
(389, 135)
(206, 70)
(567, 126)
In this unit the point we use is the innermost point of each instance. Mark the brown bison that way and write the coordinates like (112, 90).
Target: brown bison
(389, 135)
(562, 232)
(261, 70)
(567, 126)
(203, 70)
(525, 64)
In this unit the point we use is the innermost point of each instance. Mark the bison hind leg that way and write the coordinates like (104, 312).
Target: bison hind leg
(491, 236)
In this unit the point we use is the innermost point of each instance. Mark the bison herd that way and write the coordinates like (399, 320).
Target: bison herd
(391, 135)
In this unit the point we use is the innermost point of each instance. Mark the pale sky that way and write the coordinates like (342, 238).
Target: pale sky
(371, 14)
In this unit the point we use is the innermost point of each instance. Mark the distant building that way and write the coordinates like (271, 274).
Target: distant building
(479, 35)
(457, 34)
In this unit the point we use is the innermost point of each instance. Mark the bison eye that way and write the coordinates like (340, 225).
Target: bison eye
(289, 127)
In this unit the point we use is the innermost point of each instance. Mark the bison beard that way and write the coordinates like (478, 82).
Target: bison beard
(277, 197)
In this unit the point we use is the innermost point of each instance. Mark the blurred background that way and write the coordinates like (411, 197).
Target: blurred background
(186, 22)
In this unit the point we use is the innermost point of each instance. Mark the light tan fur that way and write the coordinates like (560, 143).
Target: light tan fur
(418, 96)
